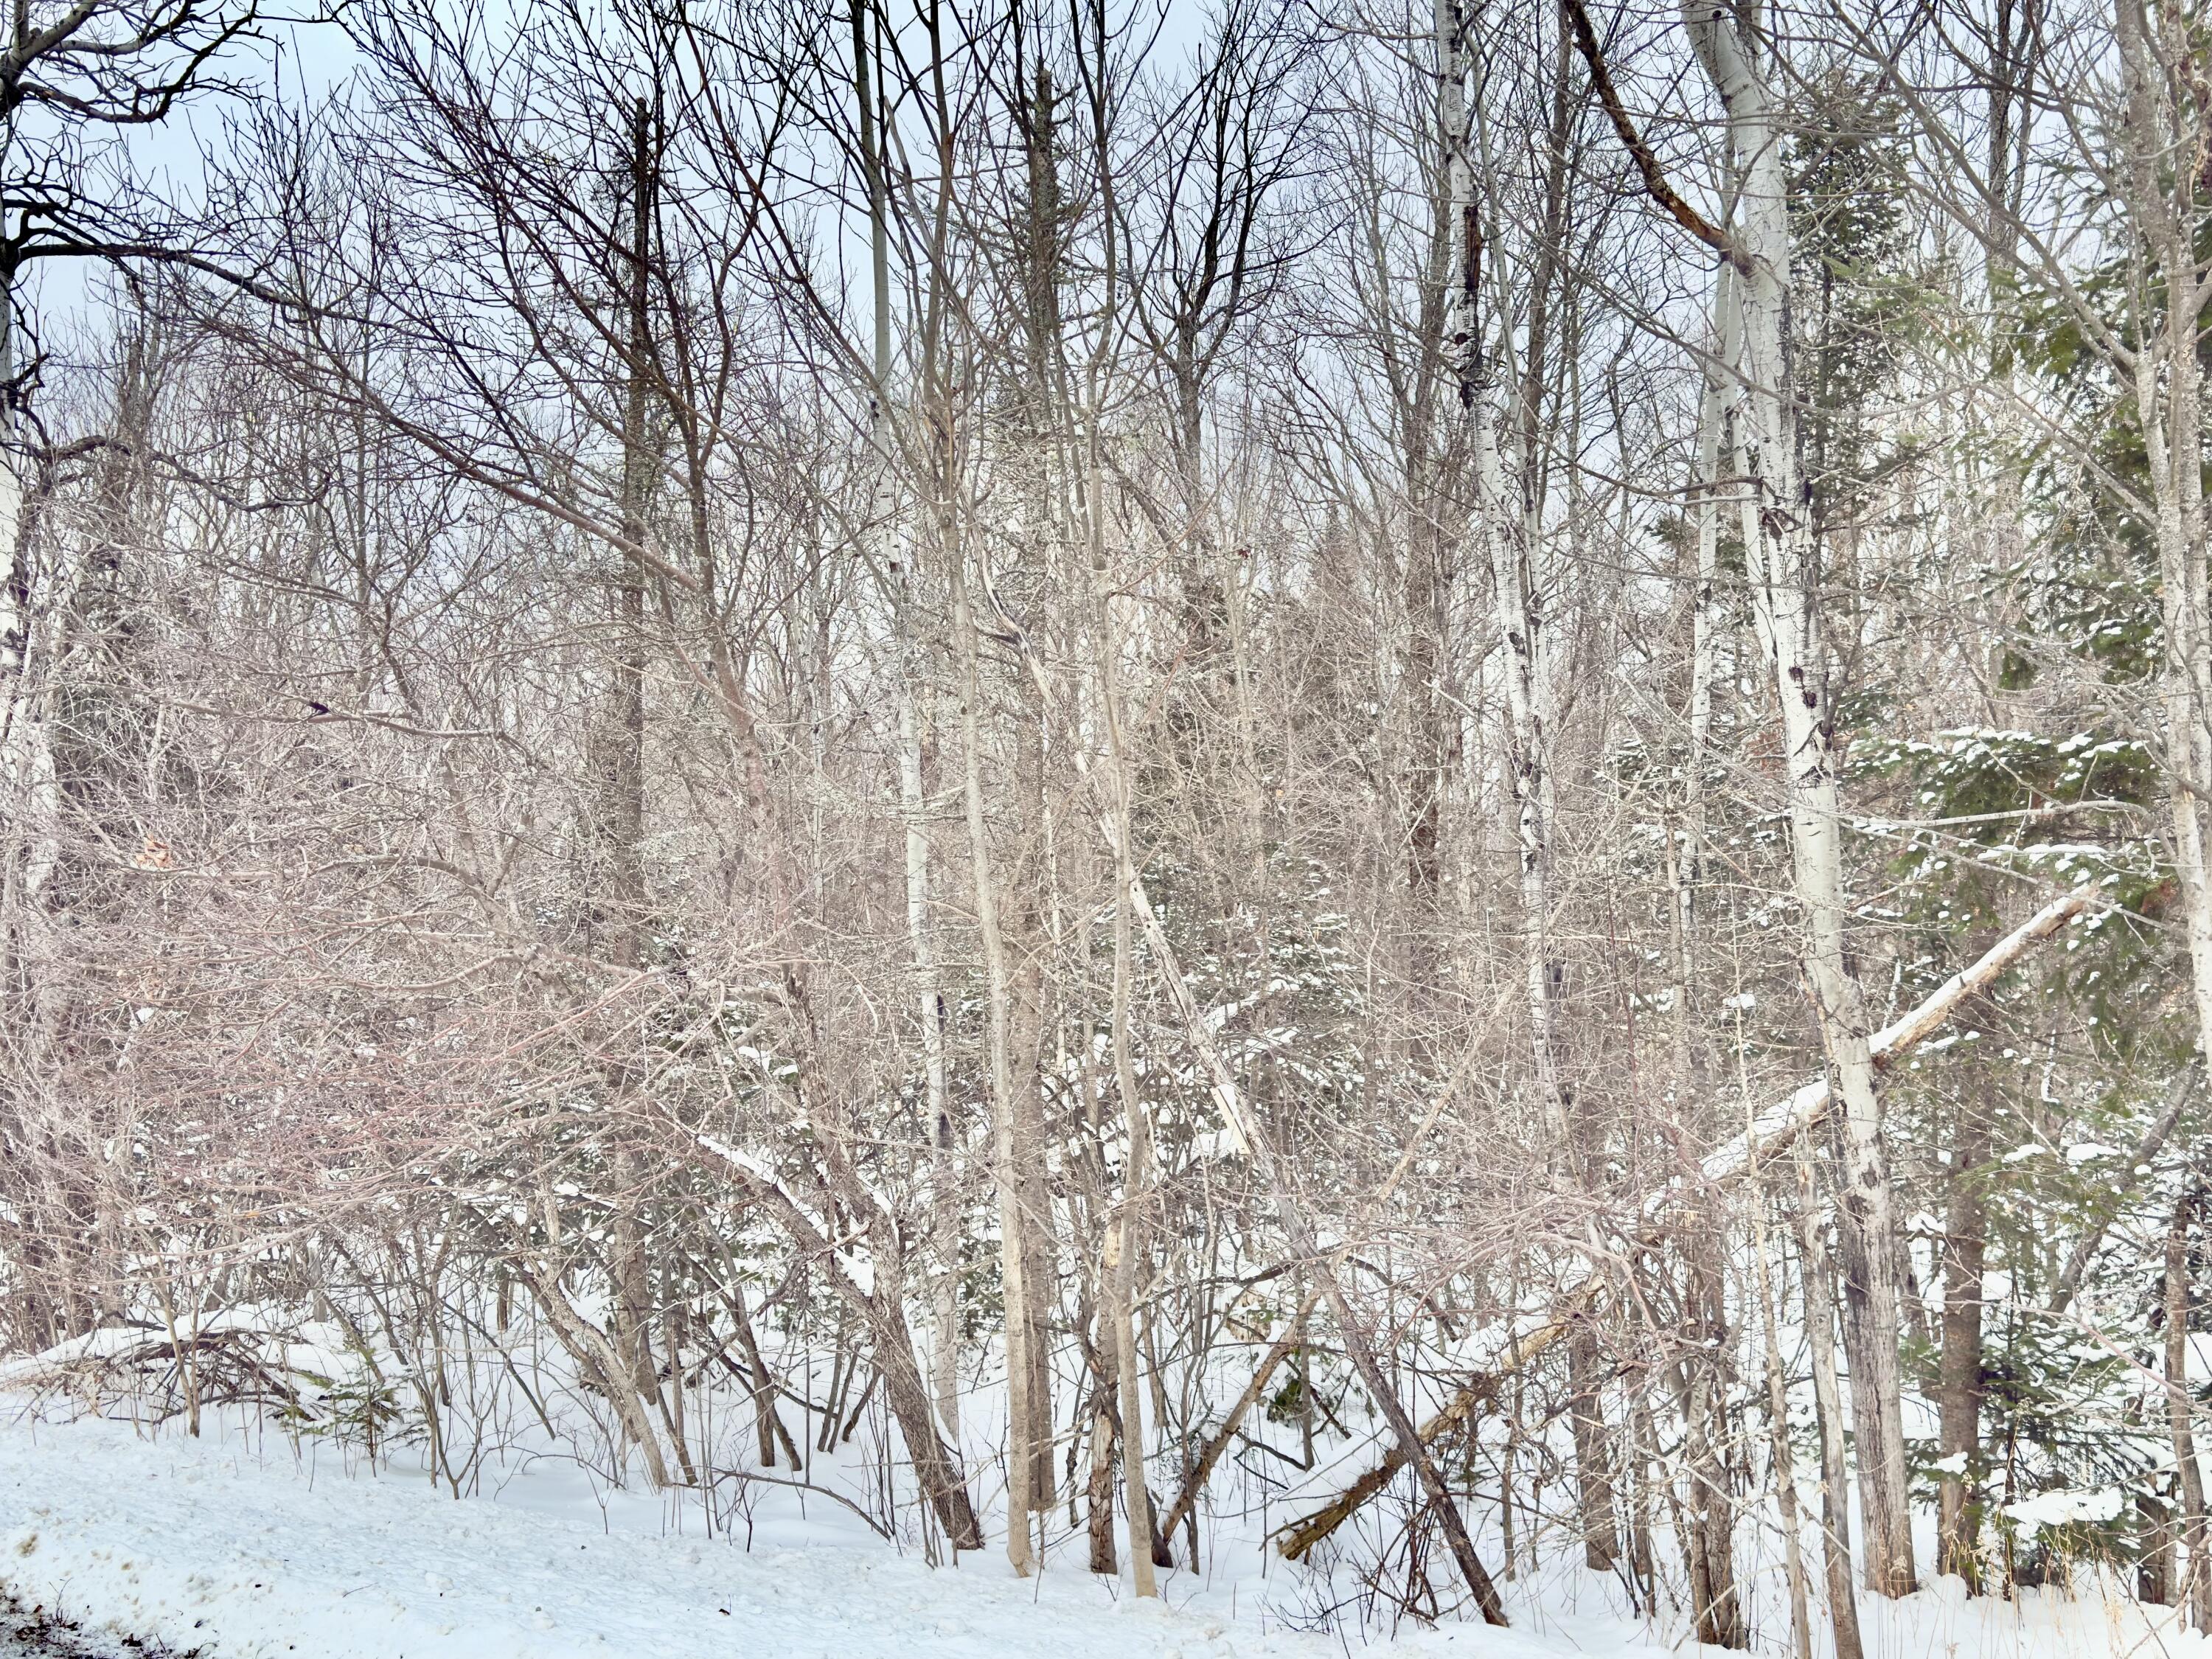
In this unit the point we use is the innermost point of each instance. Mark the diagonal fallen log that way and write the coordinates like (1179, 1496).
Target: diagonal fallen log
(1771, 1131)
(1301, 1535)
(1202, 1471)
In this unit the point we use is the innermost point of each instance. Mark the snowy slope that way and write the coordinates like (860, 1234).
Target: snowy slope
(207, 1545)
(240, 1551)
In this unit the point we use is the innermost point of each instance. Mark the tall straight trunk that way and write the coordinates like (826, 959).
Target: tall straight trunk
(1818, 1283)
(1023, 923)
(1705, 652)
(1021, 1452)
(896, 559)
(1444, 326)
(2196, 1582)
(1783, 567)
(943, 1141)
(1514, 537)
(1715, 1605)
(1427, 755)
(1124, 1237)
(1778, 1430)
(16, 585)
(1527, 681)
(2169, 390)
(1716, 1601)
(1709, 1547)
(938, 459)
(27, 776)
(1959, 1372)
(31, 647)
(2165, 117)
(621, 807)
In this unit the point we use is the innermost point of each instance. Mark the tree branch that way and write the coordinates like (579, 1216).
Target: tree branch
(1647, 164)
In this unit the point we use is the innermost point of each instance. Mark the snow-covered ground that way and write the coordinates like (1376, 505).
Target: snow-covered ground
(237, 1545)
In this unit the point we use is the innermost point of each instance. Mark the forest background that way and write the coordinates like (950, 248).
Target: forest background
(1479, 737)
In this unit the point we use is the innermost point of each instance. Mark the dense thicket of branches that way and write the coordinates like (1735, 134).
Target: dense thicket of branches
(1147, 726)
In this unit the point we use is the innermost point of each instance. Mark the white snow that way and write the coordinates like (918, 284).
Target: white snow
(234, 1548)
(2057, 1508)
(240, 1552)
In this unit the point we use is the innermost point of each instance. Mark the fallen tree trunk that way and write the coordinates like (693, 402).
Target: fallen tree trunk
(1301, 1535)
(1772, 1132)
(1202, 1471)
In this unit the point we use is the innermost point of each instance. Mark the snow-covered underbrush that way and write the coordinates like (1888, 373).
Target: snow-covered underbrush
(346, 1496)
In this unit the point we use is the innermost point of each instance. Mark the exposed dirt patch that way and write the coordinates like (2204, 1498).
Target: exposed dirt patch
(34, 1632)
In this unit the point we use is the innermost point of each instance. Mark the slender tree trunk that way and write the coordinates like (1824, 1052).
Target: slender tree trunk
(1819, 1294)
(1704, 652)
(2195, 1583)
(2169, 390)
(1593, 1462)
(622, 898)
(1709, 1546)
(1123, 1237)
(897, 558)
(1105, 1390)
(1777, 1431)
(1021, 1453)
(2169, 403)
(1960, 1380)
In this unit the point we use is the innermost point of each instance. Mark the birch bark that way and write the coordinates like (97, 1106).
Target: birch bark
(1784, 569)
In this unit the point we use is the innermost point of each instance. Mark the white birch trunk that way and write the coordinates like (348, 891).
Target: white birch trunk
(1783, 562)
